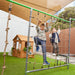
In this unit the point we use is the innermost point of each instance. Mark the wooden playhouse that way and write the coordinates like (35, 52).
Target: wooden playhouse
(19, 44)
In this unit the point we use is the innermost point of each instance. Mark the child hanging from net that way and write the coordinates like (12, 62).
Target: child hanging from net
(54, 39)
(40, 39)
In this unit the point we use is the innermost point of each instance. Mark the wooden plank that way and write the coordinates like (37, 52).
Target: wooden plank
(38, 4)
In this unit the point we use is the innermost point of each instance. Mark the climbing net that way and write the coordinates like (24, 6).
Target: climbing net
(56, 60)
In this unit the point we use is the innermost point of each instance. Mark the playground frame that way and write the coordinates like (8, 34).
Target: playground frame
(31, 9)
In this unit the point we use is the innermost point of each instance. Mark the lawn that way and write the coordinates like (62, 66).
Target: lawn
(16, 66)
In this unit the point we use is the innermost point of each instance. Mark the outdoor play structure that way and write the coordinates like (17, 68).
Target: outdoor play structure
(49, 6)
(53, 19)
(20, 45)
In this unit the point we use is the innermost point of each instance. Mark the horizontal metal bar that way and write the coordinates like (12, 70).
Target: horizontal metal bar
(63, 55)
(72, 55)
(47, 68)
(38, 10)
(73, 19)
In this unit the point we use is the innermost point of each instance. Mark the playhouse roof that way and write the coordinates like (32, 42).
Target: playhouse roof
(22, 38)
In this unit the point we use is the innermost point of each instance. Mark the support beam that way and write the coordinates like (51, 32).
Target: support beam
(47, 68)
(28, 40)
(38, 10)
(73, 19)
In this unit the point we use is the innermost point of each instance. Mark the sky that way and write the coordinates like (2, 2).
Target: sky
(72, 4)
(17, 26)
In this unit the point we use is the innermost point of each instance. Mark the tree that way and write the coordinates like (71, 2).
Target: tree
(68, 13)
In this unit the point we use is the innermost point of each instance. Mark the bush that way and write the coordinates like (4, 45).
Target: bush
(25, 49)
(12, 48)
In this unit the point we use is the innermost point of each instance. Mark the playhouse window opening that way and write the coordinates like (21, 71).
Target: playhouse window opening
(26, 44)
(17, 45)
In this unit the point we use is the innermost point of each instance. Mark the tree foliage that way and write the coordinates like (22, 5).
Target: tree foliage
(66, 14)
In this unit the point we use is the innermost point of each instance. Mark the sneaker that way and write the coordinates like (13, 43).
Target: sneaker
(37, 48)
(58, 58)
(54, 54)
(46, 63)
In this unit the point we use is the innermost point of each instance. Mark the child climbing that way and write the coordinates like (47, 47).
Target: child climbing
(54, 39)
(40, 39)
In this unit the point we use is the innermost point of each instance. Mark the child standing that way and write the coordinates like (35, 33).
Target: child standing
(54, 38)
(40, 39)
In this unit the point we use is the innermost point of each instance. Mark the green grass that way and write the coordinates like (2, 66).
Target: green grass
(16, 66)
